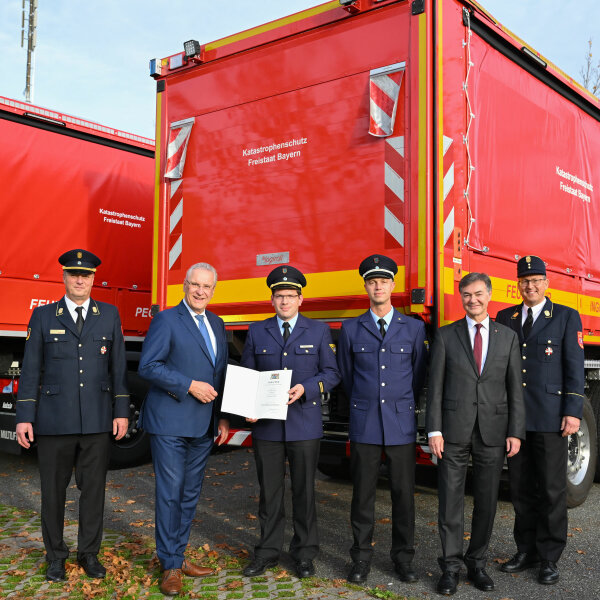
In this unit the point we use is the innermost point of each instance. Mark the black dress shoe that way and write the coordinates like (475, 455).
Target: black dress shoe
(406, 572)
(359, 571)
(258, 566)
(519, 562)
(56, 570)
(91, 565)
(480, 579)
(548, 572)
(305, 568)
(447, 583)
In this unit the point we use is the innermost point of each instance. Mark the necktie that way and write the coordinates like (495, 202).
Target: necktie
(528, 323)
(79, 322)
(286, 331)
(382, 327)
(204, 332)
(478, 346)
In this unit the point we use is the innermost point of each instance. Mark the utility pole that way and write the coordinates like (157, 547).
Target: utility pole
(31, 22)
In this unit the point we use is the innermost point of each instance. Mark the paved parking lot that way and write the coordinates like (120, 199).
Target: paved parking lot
(226, 529)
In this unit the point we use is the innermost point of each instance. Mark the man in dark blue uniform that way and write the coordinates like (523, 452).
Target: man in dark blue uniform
(290, 341)
(73, 393)
(382, 358)
(551, 338)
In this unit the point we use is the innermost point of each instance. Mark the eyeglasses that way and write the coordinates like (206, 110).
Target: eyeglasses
(535, 282)
(199, 286)
(285, 297)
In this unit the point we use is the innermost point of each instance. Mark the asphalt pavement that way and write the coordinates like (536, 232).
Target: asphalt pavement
(226, 529)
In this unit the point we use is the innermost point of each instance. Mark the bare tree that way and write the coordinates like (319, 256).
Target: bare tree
(590, 72)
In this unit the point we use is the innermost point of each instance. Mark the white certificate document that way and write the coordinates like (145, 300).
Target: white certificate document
(256, 394)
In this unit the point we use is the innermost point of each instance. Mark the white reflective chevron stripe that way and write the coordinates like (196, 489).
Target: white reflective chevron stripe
(394, 226)
(394, 182)
(176, 216)
(448, 184)
(174, 186)
(448, 226)
(397, 143)
(239, 437)
(381, 119)
(175, 251)
(387, 85)
(448, 180)
(179, 136)
(447, 143)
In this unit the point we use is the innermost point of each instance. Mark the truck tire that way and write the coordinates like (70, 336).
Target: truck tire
(594, 396)
(582, 457)
(134, 448)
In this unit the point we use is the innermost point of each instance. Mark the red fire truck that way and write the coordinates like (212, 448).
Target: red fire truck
(69, 183)
(421, 129)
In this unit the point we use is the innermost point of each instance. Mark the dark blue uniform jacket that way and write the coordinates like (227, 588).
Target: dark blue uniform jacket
(382, 377)
(309, 353)
(552, 364)
(73, 384)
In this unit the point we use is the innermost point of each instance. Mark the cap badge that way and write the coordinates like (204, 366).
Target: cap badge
(376, 259)
(284, 270)
(79, 255)
(528, 259)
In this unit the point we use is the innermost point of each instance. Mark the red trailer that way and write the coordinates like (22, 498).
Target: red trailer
(420, 129)
(69, 183)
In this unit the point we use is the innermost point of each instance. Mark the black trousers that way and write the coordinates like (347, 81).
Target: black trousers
(364, 463)
(57, 455)
(452, 474)
(538, 489)
(303, 457)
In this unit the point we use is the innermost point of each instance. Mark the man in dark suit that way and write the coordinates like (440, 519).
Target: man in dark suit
(73, 393)
(551, 338)
(184, 358)
(290, 341)
(382, 359)
(474, 409)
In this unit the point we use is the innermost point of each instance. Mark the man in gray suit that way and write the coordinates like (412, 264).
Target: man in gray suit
(475, 408)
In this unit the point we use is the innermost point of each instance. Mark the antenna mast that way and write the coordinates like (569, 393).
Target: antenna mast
(31, 22)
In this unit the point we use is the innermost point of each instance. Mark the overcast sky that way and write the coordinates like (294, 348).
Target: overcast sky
(92, 57)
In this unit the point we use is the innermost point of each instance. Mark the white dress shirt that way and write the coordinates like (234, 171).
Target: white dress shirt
(71, 306)
(535, 310)
(485, 342)
(211, 334)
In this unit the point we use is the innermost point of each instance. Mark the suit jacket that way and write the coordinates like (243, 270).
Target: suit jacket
(71, 383)
(309, 353)
(175, 353)
(458, 396)
(553, 358)
(382, 377)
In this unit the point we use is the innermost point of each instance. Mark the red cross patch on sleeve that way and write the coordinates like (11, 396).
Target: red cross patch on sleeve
(580, 339)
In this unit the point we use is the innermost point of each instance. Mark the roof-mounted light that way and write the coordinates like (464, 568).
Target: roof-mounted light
(155, 67)
(192, 50)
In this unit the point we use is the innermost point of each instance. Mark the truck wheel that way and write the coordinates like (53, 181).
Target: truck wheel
(134, 448)
(594, 396)
(581, 461)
